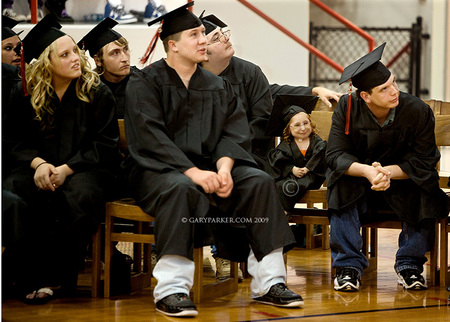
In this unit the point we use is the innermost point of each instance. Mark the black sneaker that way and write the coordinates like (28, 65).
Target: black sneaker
(280, 295)
(347, 280)
(177, 304)
(411, 279)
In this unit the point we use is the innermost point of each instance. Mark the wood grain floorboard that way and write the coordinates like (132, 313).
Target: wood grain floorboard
(380, 298)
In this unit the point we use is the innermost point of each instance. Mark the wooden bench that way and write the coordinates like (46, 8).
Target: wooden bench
(443, 130)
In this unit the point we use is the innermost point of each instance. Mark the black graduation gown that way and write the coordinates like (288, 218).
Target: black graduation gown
(171, 129)
(11, 203)
(276, 89)
(10, 77)
(285, 157)
(60, 224)
(252, 87)
(118, 89)
(180, 138)
(408, 142)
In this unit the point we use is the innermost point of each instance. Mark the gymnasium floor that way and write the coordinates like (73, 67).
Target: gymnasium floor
(380, 298)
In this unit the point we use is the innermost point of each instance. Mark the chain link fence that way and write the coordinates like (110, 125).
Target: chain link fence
(401, 55)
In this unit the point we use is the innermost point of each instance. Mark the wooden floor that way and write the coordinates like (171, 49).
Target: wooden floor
(380, 298)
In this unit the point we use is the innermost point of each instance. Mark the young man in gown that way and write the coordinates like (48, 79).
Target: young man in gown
(189, 143)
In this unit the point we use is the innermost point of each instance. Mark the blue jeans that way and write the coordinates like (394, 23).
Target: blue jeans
(346, 242)
(214, 250)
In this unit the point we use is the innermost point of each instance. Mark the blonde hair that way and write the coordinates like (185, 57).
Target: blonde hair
(287, 136)
(122, 42)
(39, 75)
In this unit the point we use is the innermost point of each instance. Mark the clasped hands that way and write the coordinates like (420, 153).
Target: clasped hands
(220, 183)
(49, 177)
(379, 177)
(299, 172)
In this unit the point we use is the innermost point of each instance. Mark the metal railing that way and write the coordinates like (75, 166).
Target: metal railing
(34, 11)
(350, 25)
(313, 50)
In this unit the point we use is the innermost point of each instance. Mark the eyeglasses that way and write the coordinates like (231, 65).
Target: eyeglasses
(299, 125)
(220, 37)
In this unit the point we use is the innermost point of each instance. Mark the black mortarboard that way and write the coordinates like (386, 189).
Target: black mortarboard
(99, 36)
(211, 23)
(40, 37)
(7, 25)
(367, 72)
(177, 20)
(285, 107)
(172, 22)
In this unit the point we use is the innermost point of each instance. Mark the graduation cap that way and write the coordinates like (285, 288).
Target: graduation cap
(177, 20)
(40, 37)
(285, 107)
(172, 22)
(365, 73)
(211, 23)
(7, 25)
(99, 36)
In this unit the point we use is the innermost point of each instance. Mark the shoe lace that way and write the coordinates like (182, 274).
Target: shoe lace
(176, 298)
(412, 274)
(225, 262)
(278, 289)
(348, 273)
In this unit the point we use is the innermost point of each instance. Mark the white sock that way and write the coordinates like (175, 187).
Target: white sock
(267, 272)
(175, 274)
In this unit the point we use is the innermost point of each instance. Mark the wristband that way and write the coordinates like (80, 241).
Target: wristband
(40, 165)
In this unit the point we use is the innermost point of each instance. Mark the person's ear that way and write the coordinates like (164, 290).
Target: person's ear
(172, 45)
(97, 61)
(365, 96)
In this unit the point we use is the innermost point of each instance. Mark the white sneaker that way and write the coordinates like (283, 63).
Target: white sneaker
(223, 269)
(118, 14)
(13, 15)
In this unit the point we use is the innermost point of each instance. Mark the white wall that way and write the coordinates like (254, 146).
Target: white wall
(282, 59)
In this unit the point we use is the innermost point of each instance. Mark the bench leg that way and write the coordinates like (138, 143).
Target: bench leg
(201, 292)
(96, 263)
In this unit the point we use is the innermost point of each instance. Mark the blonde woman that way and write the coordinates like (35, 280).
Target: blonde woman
(66, 157)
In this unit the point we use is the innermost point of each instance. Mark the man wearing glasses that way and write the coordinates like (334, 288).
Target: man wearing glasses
(252, 87)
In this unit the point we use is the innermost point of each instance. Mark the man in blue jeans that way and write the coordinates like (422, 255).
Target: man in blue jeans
(381, 155)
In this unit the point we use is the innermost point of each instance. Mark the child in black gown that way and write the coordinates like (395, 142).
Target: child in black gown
(298, 162)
